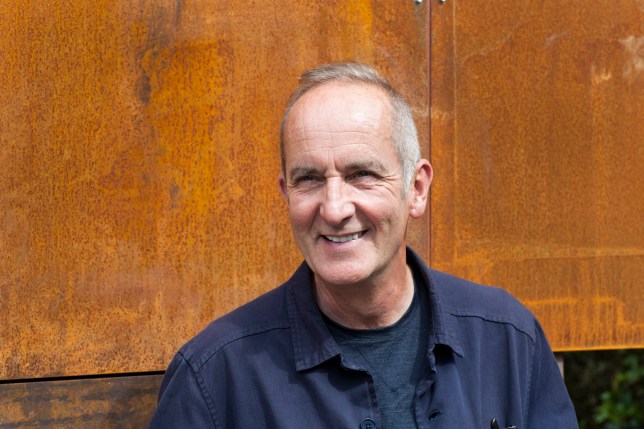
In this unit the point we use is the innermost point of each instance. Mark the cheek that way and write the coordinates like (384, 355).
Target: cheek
(381, 209)
(301, 212)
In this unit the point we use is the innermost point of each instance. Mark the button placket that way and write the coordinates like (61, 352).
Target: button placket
(367, 424)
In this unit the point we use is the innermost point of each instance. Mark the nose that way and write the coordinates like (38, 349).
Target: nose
(336, 206)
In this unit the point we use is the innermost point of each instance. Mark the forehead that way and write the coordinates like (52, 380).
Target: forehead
(340, 102)
(336, 116)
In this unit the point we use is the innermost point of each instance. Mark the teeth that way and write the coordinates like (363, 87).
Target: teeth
(343, 238)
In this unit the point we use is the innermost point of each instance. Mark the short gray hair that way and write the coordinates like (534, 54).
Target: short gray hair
(403, 128)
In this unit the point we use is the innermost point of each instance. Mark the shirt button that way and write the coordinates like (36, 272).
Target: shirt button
(368, 424)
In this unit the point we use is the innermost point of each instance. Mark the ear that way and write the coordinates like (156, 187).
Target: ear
(281, 183)
(419, 189)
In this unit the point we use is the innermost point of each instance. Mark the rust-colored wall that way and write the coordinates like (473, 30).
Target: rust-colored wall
(138, 164)
(97, 403)
(538, 145)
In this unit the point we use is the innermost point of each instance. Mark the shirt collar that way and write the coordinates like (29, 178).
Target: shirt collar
(312, 341)
(442, 330)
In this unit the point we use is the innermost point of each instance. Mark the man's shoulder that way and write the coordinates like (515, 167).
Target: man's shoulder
(263, 314)
(464, 298)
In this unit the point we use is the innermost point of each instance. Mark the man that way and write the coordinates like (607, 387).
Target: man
(363, 335)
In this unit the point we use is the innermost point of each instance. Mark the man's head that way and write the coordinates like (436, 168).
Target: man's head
(404, 136)
(348, 196)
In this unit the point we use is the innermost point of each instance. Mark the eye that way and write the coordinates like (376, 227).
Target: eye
(307, 178)
(362, 174)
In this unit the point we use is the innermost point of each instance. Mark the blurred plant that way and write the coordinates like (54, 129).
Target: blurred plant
(607, 388)
(622, 407)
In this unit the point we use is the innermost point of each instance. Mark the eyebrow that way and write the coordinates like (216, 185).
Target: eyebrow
(371, 165)
(301, 171)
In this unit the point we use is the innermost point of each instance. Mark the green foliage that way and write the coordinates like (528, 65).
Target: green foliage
(622, 407)
(607, 388)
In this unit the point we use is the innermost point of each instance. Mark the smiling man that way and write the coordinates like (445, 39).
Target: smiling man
(349, 201)
(363, 335)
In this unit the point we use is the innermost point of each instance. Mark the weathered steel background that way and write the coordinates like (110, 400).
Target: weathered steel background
(138, 164)
(139, 158)
(538, 145)
(114, 402)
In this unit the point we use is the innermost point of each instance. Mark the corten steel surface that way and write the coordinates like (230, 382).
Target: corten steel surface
(138, 164)
(537, 125)
(115, 402)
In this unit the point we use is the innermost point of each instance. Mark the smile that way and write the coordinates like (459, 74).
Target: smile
(344, 238)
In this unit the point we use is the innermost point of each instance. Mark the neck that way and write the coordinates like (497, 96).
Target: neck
(368, 306)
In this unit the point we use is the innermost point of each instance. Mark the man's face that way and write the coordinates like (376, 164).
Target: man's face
(344, 184)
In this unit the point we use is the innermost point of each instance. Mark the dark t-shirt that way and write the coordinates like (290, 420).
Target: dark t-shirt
(394, 356)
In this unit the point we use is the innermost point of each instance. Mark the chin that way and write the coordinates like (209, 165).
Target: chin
(342, 275)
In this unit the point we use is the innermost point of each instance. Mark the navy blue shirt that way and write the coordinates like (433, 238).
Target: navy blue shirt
(272, 363)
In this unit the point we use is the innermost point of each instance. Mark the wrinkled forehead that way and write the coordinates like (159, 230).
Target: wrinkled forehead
(339, 109)
(342, 97)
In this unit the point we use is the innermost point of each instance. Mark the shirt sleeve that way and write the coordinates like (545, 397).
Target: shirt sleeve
(181, 403)
(549, 405)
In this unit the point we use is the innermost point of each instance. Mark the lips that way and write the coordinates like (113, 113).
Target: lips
(344, 238)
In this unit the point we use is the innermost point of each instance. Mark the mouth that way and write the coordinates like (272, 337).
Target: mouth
(344, 238)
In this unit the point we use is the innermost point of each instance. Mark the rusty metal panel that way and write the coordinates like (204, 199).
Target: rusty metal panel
(115, 402)
(538, 146)
(138, 164)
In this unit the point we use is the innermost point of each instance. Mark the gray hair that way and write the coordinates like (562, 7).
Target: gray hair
(405, 138)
